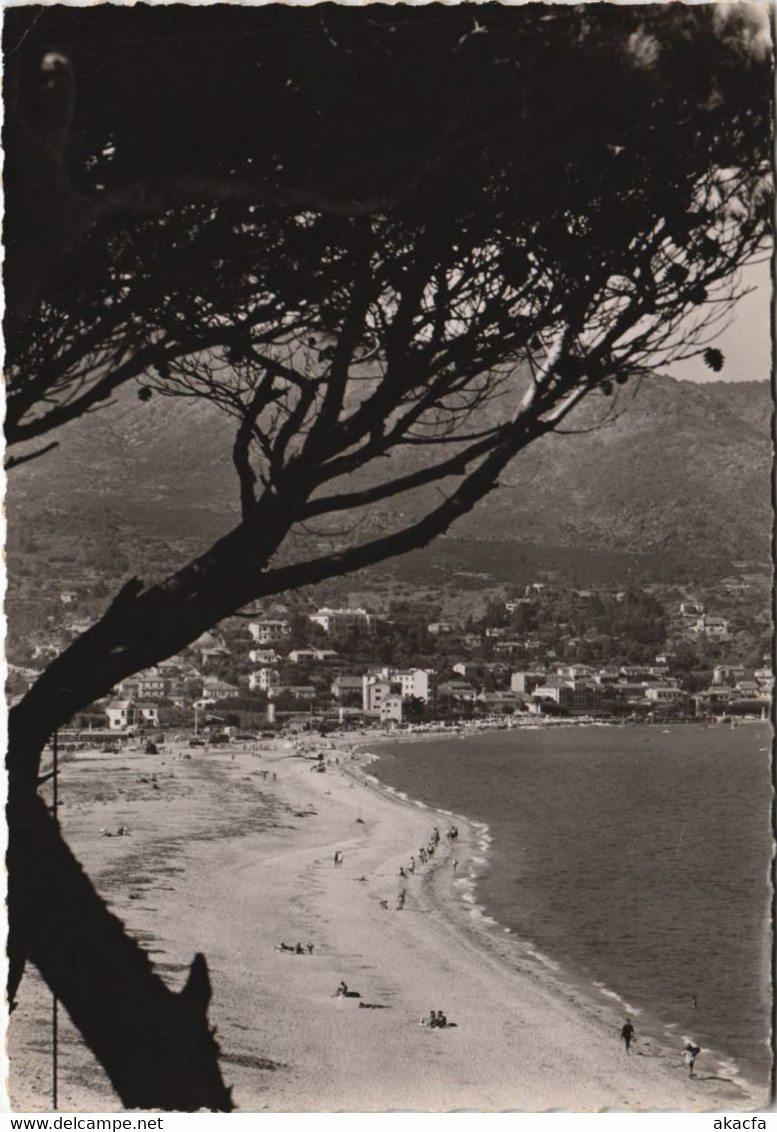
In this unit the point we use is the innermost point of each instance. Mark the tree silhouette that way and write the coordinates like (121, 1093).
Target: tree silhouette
(397, 246)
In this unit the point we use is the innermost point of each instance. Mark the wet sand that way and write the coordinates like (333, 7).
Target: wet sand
(222, 859)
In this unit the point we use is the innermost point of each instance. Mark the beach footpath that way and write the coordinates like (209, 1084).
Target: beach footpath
(231, 852)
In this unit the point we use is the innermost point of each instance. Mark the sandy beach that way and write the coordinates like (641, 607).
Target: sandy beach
(231, 851)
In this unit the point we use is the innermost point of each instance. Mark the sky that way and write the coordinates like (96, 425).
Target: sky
(746, 344)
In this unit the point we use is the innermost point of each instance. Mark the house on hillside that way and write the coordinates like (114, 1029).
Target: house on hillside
(148, 685)
(714, 628)
(440, 628)
(691, 609)
(264, 656)
(337, 620)
(214, 690)
(264, 680)
(269, 631)
(300, 656)
(299, 691)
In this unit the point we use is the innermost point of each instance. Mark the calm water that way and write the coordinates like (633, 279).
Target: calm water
(636, 858)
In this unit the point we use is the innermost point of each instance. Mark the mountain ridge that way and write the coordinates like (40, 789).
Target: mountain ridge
(682, 466)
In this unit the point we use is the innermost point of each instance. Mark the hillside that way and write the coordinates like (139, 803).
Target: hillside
(683, 470)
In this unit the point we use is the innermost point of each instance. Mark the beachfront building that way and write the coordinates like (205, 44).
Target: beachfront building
(712, 701)
(119, 714)
(558, 690)
(391, 708)
(577, 697)
(664, 694)
(528, 680)
(458, 690)
(348, 689)
(146, 715)
(415, 682)
(500, 701)
(338, 620)
(269, 631)
(376, 689)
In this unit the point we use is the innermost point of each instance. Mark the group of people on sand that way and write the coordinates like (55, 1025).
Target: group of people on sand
(437, 1021)
(298, 950)
(690, 1051)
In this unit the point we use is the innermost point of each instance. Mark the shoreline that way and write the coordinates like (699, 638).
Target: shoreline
(561, 979)
(233, 863)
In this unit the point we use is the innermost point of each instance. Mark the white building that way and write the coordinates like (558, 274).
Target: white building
(147, 715)
(715, 628)
(664, 694)
(334, 620)
(375, 690)
(264, 679)
(119, 713)
(418, 682)
(391, 709)
(267, 631)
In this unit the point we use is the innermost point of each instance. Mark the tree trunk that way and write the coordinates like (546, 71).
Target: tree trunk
(156, 1046)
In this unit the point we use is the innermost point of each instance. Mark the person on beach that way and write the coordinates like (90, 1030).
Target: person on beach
(627, 1033)
(690, 1053)
(455, 864)
(342, 990)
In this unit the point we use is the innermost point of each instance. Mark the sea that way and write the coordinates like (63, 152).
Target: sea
(634, 861)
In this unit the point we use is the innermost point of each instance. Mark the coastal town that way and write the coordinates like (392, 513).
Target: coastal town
(545, 652)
